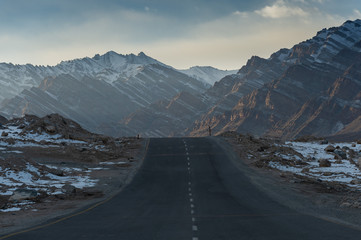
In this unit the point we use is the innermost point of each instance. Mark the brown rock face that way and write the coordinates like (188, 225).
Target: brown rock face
(317, 94)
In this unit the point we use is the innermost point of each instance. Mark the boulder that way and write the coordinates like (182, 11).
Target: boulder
(324, 142)
(23, 194)
(324, 163)
(56, 171)
(68, 189)
(4, 134)
(330, 148)
(341, 153)
(50, 129)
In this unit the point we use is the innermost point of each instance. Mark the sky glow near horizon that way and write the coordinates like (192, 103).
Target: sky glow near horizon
(222, 34)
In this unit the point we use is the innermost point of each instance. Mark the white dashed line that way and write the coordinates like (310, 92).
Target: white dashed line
(188, 158)
(191, 199)
(192, 206)
(189, 189)
(194, 238)
(189, 183)
(192, 211)
(187, 153)
(190, 194)
(193, 219)
(195, 228)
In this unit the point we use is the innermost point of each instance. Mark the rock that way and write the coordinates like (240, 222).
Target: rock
(345, 148)
(353, 145)
(324, 163)
(330, 148)
(23, 194)
(324, 142)
(50, 129)
(341, 153)
(4, 134)
(68, 189)
(355, 182)
(359, 162)
(338, 161)
(327, 174)
(56, 171)
(3, 201)
(358, 141)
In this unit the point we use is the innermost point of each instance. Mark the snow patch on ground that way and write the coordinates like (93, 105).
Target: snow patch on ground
(343, 171)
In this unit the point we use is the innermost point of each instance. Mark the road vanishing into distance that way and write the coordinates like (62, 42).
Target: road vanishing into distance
(188, 189)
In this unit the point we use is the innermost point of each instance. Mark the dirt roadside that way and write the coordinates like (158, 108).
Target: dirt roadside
(112, 171)
(307, 196)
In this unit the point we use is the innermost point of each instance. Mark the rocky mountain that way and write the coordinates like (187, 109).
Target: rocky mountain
(315, 89)
(311, 88)
(174, 117)
(207, 74)
(98, 92)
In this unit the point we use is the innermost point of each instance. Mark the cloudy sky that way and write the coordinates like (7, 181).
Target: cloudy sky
(220, 33)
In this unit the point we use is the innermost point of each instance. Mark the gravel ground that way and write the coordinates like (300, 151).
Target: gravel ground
(110, 170)
(308, 195)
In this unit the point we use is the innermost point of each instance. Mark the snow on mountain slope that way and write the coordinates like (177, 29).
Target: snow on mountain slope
(314, 89)
(108, 67)
(208, 75)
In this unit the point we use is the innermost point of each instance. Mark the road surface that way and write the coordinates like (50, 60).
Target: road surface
(186, 189)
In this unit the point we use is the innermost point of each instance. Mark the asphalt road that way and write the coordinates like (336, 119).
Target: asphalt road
(189, 189)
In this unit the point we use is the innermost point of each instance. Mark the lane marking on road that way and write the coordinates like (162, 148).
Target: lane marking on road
(189, 163)
(194, 238)
(192, 212)
(190, 189)
(191, 199)
(193, 219)
(190, 194)
(192, 206)
(186, 149)
(194, 228)
(187, 153)
(193, 154)
(188, 158)
(189, 183)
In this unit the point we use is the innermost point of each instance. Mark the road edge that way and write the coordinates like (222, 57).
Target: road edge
(83, 209)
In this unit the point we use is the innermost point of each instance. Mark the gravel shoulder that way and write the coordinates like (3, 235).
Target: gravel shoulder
(306, 195)
(112, 170)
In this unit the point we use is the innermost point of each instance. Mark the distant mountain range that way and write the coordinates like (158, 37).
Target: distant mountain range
(314, 88)
(97, 92)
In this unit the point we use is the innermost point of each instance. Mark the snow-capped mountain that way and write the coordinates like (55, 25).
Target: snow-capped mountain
(207, 74)
(98, 92)
(108, 67)
(312, 88)
(315, 89)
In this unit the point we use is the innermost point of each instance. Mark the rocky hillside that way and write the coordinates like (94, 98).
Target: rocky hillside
(96, 104)
(315, 89)
(208, 74)
(98, 92)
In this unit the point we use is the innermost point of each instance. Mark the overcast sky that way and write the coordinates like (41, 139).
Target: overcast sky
(184, 33)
